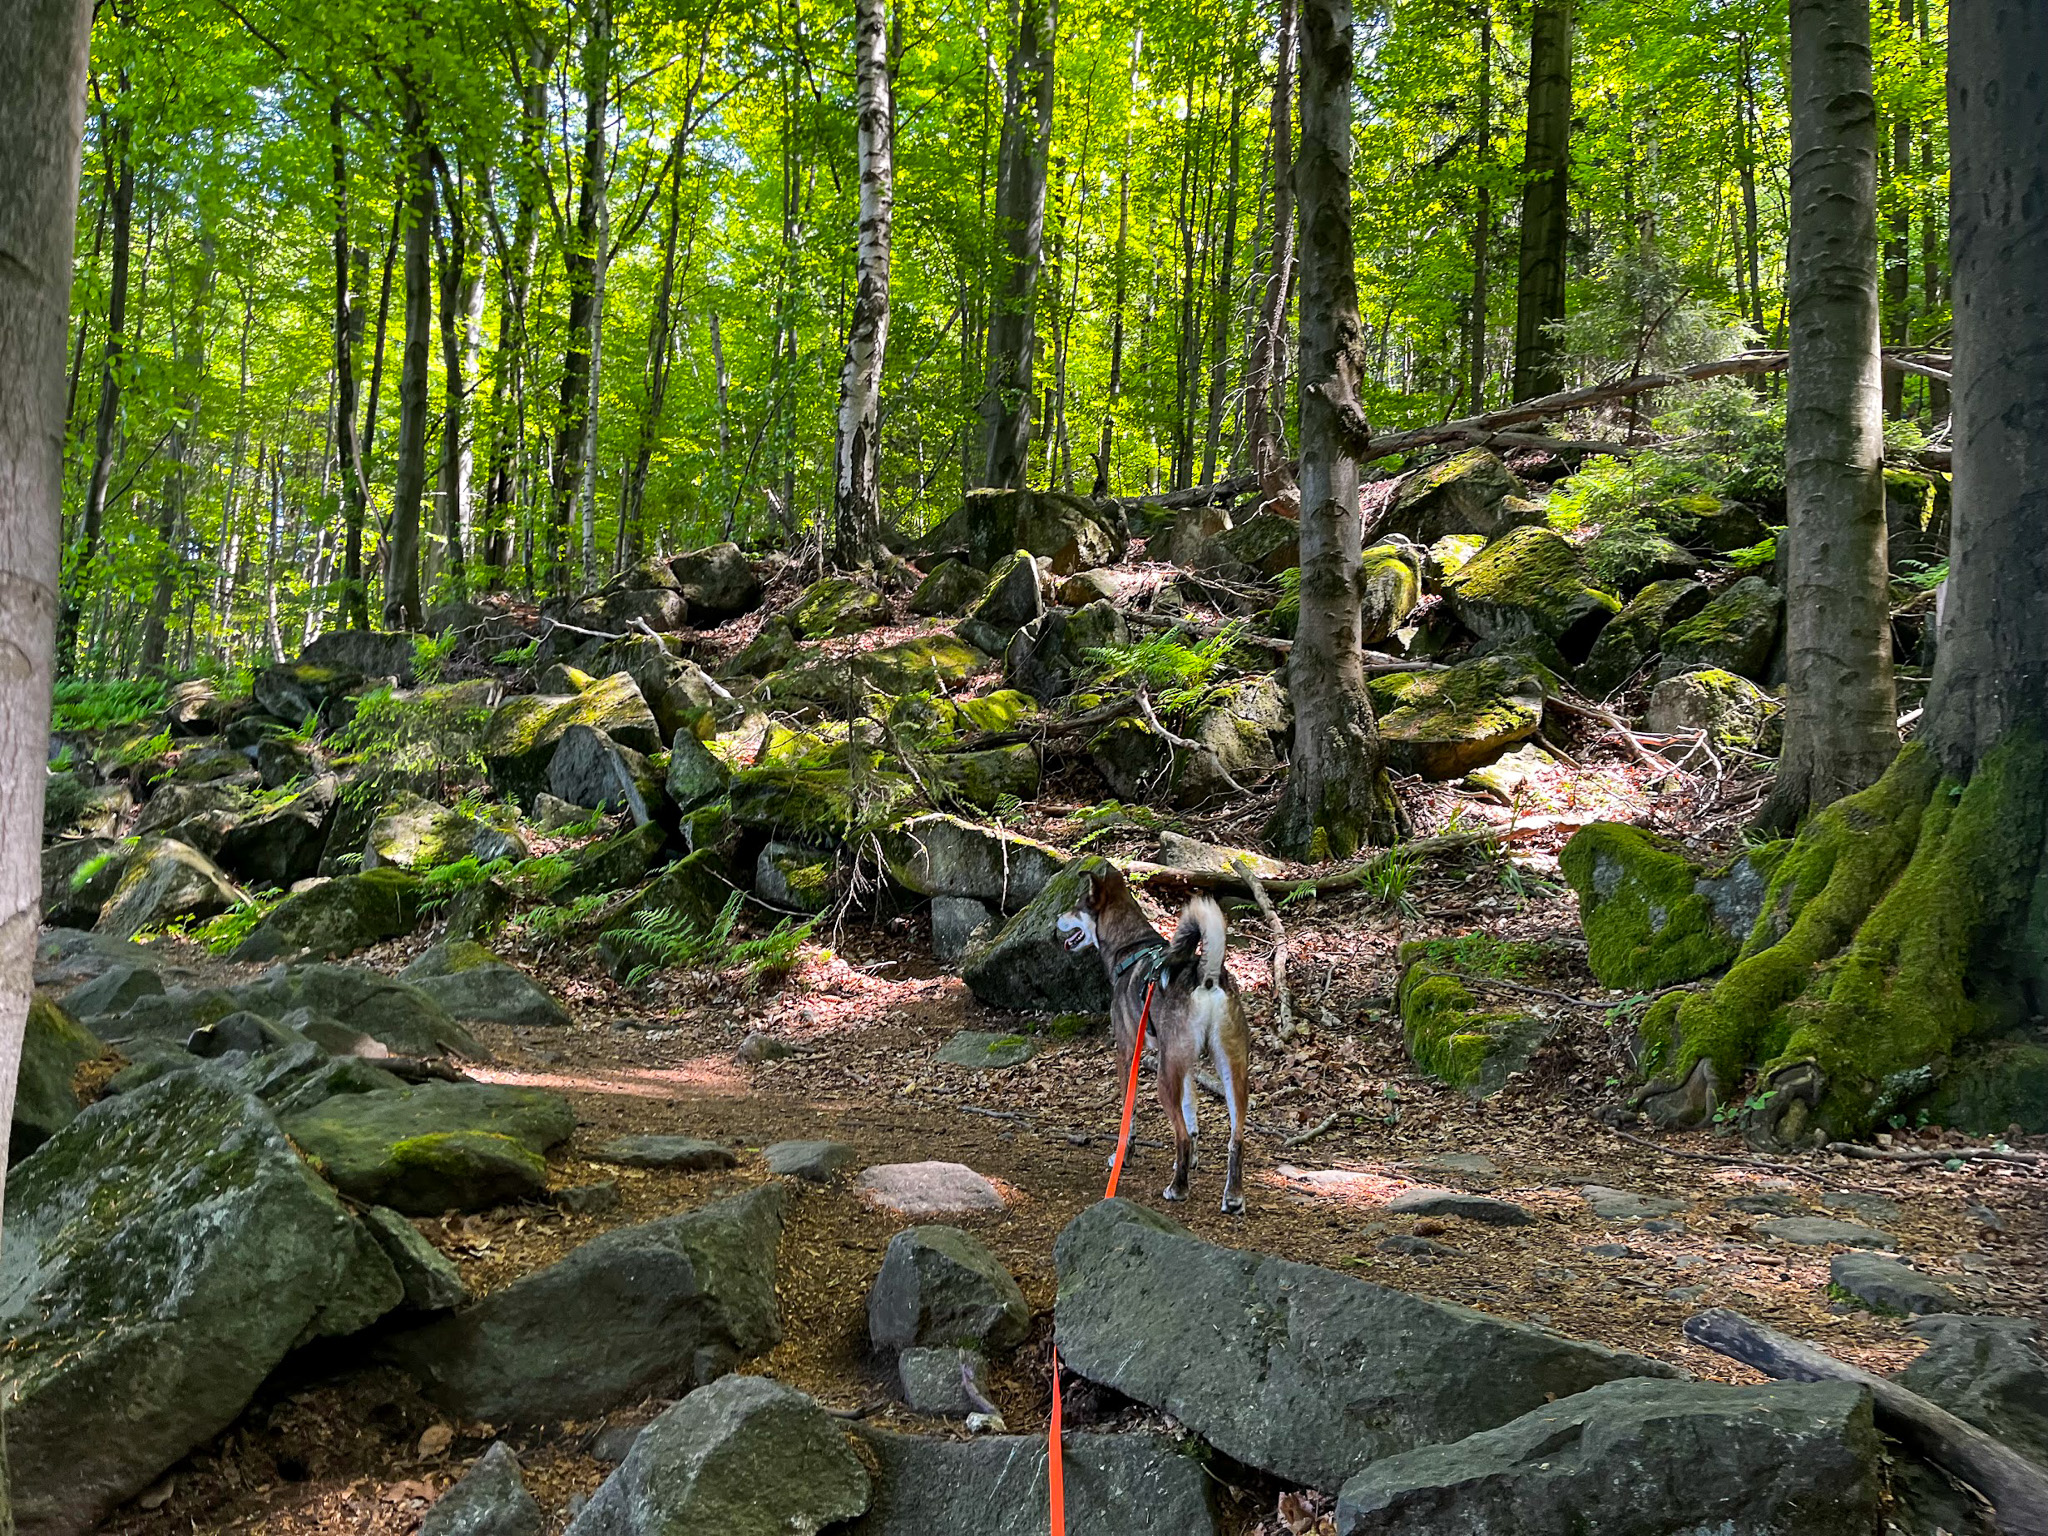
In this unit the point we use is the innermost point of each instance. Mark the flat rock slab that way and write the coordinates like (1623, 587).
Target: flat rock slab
(988, 1051)
(1890, 1286)
(1626, 1204)
(1299, 1371)
(935, 1381)
(1476, 1165)
(815, 1162)
(1871, 1208)
(1990, 1371)
(1116, 1485)
(683, 1154)
(1819, 1231)
(928, 1189)
(1451, 1202)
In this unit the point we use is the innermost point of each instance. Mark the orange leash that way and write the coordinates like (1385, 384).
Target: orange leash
(1055, 1472)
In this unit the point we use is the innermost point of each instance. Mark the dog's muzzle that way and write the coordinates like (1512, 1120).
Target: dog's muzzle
(1075, 931)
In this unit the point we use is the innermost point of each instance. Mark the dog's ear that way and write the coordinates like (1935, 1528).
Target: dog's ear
(1105, 885)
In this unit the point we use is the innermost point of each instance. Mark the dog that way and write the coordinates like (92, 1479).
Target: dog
(1195, 1008)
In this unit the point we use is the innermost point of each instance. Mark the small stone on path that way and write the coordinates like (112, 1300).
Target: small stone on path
(686, 1154)
(1887, 1285)
(1411, 1247)
(987, 1051)
(812, 1161)
(1473, 1164)
(1451, 1202)
(1765, 1205)
(588, 1199)
(928, 1189)
(1611, 1251)
(1871, 1208)
(1819, 1231)
(1626, 1204)
(760, 1046)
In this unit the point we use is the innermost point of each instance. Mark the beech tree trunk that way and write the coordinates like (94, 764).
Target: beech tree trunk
(1265, 389)
(462, 287)
(43, 46)
(409, 481)
(508, 369)
(660, 348)
(1106, 440)
(579, 268)
(1336, 797)
(1006, 401)
(355, 491)
(1482, 224)
(857, 496)
(170, 526)
(1840, 709)
(1539, 291)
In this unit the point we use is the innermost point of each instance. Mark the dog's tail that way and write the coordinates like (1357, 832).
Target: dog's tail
(1198, 943)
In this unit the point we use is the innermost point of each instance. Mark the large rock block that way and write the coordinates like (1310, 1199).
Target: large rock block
(717, 584)
(79, 874)
(164, 1252)
(1048, 656)
(941, 855)
(337, 917)
(1652, 917)
(52, 1050)
(490, 1500)
(836, 605)
(1011, 597)
(1453, 1034)
(1470, 492)
(1736, 632)
(744, 1456)
(1732, 710)
(1989, 1371)
(282, 844)
(1531, 584)
(1074, 533)
(1025, 966)
(1642, 1458)
(1445, 724)
(165, 880)
(948, 590)
(396, 1015)
(648, 1309)
(941, 1286)
(1299, 1371)
(472, 983)
(524, 731)
(414, 833)
(1629, 642)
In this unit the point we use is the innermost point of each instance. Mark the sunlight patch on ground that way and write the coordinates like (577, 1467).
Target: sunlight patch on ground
(716, 1073)
(1346, 1186)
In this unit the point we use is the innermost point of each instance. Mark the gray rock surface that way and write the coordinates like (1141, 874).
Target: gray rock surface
(1626, 1204)
(1296, 1370)
(490, 1500)
(934, 1381)
(745, 1456)
(495, 993)
(163, 880)
(114, 990)
(928, 1189)
(1988, 1370)
(53, 1046)
(686, 1154)
(986, 1050)
(957, 923)
(432, 1282)
(941, 855)
(1890, 1286)
(1819, 1231)
(1641, 1458)
(1451, 1202)
(815, 1162)
(1026, 967)
(647, 1309)
(940, 1285)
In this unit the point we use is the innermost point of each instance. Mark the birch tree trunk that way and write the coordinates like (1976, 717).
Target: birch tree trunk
(1107, 439)
(1336, 798)
(1006, 401)
(1482, 225)
(355, 491)
(43, 47)
(1226, 297)
(171, 508)
(1840, 713)
(409, 482)
(579, 267)
(1539, 292)
(1264, 390)
(857, 498)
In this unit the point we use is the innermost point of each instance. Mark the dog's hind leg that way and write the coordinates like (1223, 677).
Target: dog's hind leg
(1174, 1078)
(1187, 1114)
(1233, 1065)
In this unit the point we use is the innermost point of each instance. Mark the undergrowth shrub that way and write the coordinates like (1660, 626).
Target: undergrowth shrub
(670, 940)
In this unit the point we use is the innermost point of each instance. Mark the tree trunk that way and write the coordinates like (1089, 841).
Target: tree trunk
(1482, 225)
(728, 493)
(1539, 290)
(857, 500)
(579, 268)
(1107, 440)
(509, 364)
(355, 491)
(273, 638)
(462, 285)
(1336, 797)
(660, 348)
(1840, 713)
(1752, 242)
(1226, 306)
(43, 45)
(1898, 326)
(402, 551)
(171, 507)
(105, 434)
(1006, 400)
(1264, 391)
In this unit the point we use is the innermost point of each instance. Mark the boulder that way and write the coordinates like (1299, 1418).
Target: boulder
(997, 1485)
(1652, 917)
(941, 1286)
(1992, 1085)
(1026, 967)
(927, 1189)
(302, 688)
(1444, 724)
(1047, 657)
(774, 645)
(164, 1252)
(836, 605)
(490, 991)
(416, 834)
(744, 1456)
(612, 864)
(986, 1050)
(939, 663)
(591, 770)
(1736, 632)
(1823, 1232)
(337, 917)
(958, 924)
(814, 1162)
(114, 990)
(1732, 710)
(1629, 642)
(432, 1283)
(1988, 1371)
(1531, 583)
(935, 1381)
(1627, 558)
(163, 881)
(1389, 587)
(370, 652)
(435, 1147)
(1085, 587)
(490, 1500)
(643, 1310)
(1465, 1040)
(1298, 1371)
(941, 855)
(520, 740)
(1449, 555)
(1074, 533)
(395, 1014)
(282, 844)
(1264, 544)
(280, 762)
(678, 1154)
(1187, 538)
(695, 776)
(1507, 778)
(1471, 492)
(1887, 1285)
(1484, 1209)
(658, 608)
(53, 1048)
(1011, 597)
(797, 878)
(1642, 1458)
(717, 584)
(79, 875)
(949, 590)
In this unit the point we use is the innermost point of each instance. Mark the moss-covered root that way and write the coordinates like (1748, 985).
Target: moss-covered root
(1885, 941)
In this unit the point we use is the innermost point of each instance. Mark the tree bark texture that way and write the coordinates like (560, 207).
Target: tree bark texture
(1840, 711)
(409, 479)
(857, 496)
(1019, 213)
(355, 491)
(579, 268)
(1539, 290)
(43, 46)
(1265, 389)
(1336, 797)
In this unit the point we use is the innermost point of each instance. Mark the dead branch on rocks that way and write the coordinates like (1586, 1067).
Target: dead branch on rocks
(1856, 1149)
(1342, 880)
(1283, 1000)
(1186, 743)
(1615, 724)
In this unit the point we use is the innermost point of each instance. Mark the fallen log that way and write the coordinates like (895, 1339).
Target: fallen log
(1342, 880)
(2013, 1486)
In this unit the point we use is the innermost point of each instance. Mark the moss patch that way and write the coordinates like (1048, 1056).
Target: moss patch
(1450, 1033)
(1647, 923)
(1531, 581)
(1444, 724)
(1735, 632)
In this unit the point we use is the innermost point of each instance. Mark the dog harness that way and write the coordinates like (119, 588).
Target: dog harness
(1145, 950)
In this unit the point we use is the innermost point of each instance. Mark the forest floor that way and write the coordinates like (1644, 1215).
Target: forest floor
(1342, 1123)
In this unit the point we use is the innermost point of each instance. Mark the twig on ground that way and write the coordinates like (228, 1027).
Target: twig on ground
(1556, 751)
(1916, 1159)
(1185, 743)
(1283, 1000)
(1720, 1157)
(1616, 724)
(1327, 1123)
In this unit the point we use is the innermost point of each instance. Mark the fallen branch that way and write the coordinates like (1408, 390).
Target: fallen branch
(1323, 1125)
(1522, 986)
(1186, 743)
(2014, 1487)
(1343, 880)
(1283, 1000)
(1856, 1149)
(1616, 724)
(1193, 496)
(1721, 1158)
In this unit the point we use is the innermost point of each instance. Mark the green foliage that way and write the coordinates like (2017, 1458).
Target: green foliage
(1387, 880)
(674, 942)
(413, 735)
(1479, 954)
(517, 655)
(444, 882)
(553, 923)
(79, 705)
(430, 654)
(1755, 558)
(83, 876)
(1179, 674)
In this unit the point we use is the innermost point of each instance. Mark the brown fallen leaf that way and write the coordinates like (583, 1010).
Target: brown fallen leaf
(436, 1440)
(398, 1493)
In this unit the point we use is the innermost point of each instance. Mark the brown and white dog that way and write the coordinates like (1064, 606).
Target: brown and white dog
(1195, 1009)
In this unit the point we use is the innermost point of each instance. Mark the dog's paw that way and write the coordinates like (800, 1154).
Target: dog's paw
(1173, 1192)
(1233, 1205)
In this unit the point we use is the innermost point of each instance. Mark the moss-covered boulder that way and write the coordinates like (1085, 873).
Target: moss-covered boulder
(1732, 710)
(398, 1016)
(692, 890)
(1625, 559)
(524, 730)
(414, 833)
(1712, 524)
(696, 776)
(591, 770)
(1474, 1040)
(1531, 582)
(52, 1050)
(936, 662)
(773, 647)
(1444, 724)
(165, 880)
(836, 605)
(1026, 967)
(613, 863)
(1046, 658)
(1736, 632)
(984, 780)
(717, 583)
(79, 874)
(435, 1147)
(941, 855)
(298, 689)
(1654, 918)
(281, 838)
(1011, 597)
(1628, 643)
(948, 590)
(1992, 1087)
(796, 878)
(473, 984)
(1469, 492)
(1450, 555)
(1075, 533)
(337, 917)
(1264, 543)
(819, 802)
(1389, 587)
(165, 1251)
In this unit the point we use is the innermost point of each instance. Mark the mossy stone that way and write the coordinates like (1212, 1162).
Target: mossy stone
(1732, 710)
(1444, 724)
(416, 834)
(1265, 542)
(53, 1048)
(1389, 587)
(525, 730)
(1531, 581)
(1465, 493)
(825, 803)
(1626, 560)
(1647, 923)
(612, 864)
(1626, 645)
(1011, 597)
(773, 647)
(836, 605)
(1457, 1039)
(1026, 967)
(985, 780)
(1735, 632)
(948, 589)
(1450, 555)
(1992, 1087)
(930, 661)
(338, 917)
(163, 880)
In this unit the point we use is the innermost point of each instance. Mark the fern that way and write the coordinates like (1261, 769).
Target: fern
(517, 655)
(671, 941)
(87, 706)
(1178, 673)
(430, 655)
